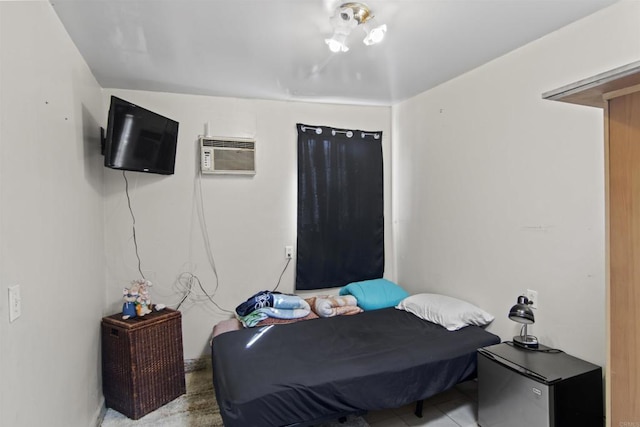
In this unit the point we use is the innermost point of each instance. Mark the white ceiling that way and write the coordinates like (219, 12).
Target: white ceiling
(274, 49)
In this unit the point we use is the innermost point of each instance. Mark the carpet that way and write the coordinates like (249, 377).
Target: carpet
(197, 408)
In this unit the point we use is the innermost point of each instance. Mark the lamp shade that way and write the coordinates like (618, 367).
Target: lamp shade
(521, 312)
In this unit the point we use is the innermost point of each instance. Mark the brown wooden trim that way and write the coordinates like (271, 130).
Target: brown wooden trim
(621, 92)
(590, 91)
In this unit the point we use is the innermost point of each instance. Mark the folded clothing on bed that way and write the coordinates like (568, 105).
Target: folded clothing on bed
(329, 306)
(275, 321)
(271, 304)
(256, 301)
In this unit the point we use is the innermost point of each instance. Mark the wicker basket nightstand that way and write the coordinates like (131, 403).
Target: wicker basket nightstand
(142, 362)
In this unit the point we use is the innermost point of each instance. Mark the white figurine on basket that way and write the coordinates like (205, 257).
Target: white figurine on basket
(137, 300)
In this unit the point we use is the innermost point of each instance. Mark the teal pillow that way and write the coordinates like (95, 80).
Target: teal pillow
(375, 294)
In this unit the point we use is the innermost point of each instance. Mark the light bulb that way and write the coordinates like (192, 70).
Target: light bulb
(375, 35)
(337, 42)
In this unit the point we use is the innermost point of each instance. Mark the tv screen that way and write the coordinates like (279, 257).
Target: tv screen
(139, 140)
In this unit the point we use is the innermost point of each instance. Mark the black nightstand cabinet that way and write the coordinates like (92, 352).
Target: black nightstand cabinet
(527, 388)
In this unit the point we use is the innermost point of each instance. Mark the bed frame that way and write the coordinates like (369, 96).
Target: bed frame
(303, 373)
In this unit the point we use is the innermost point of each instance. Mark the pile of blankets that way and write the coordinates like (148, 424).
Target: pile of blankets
(329, 306)
(268, 304)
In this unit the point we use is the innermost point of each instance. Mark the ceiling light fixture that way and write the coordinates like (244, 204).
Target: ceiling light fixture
(347, 17)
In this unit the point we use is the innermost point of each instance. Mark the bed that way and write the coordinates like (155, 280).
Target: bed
(308, 372)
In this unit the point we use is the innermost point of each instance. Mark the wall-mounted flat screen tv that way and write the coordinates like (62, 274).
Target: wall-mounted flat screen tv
(139, 140)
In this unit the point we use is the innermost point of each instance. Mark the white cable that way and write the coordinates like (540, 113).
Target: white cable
(205, 233)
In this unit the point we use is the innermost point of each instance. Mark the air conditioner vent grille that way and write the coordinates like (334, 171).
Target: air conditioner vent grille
(223, 143)
(227, 155)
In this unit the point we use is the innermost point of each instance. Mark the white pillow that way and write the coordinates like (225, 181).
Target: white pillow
(448, 312)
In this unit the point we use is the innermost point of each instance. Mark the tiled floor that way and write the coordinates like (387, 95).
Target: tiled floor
(457, 407)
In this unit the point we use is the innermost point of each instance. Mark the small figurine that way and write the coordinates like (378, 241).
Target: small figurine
(129, 307)
(137, 300)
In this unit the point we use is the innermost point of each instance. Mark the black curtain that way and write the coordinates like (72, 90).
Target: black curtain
(340, 207)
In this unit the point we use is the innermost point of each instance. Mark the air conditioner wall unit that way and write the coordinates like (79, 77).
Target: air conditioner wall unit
(227, 155)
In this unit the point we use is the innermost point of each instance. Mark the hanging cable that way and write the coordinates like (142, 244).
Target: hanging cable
(133, 218)
(205, 233)
(282, 274)
(539, 350)
(186, 292)
(190, 279)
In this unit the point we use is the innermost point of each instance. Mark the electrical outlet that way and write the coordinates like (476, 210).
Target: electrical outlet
(533, 298)
(288, 252)
(15, 308)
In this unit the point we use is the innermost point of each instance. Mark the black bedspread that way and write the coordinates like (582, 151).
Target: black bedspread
(318, 369)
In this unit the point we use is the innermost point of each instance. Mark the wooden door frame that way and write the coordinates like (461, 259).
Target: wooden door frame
(596, 91)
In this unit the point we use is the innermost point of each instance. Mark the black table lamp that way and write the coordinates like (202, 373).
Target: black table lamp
(522, 313)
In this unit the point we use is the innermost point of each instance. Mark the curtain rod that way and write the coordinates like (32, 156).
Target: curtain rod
(348, 133)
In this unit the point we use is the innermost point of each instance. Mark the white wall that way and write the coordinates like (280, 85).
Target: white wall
(249, 219)
(51, 239)
(497, 191)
